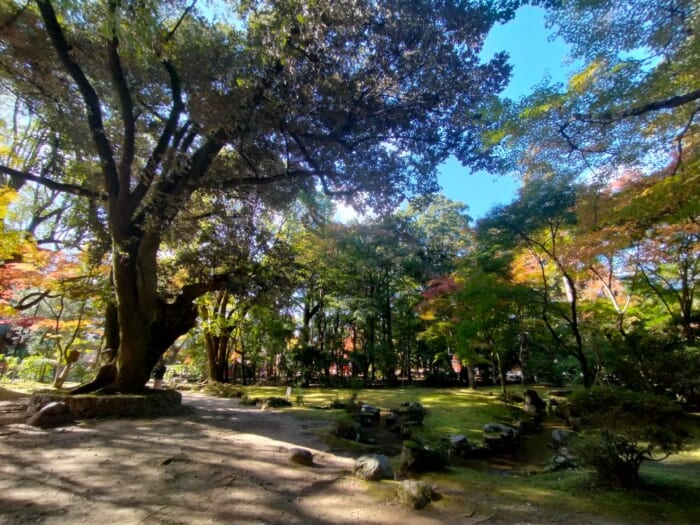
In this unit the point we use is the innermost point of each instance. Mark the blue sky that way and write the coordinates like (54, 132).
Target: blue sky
(534, 57)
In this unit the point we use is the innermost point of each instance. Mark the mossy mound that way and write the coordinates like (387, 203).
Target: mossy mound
(149, 403)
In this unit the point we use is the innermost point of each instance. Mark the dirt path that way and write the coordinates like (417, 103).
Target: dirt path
(223, 463)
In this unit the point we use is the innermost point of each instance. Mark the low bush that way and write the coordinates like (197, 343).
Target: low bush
(622, 428)
(347, 428)
(419, 457)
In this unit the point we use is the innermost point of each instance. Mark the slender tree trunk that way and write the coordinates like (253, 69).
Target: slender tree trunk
(471, 376)
(572, 296)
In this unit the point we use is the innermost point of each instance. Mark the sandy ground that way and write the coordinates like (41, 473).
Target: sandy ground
(221, 463)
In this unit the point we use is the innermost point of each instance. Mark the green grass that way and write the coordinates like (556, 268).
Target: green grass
(449, 411)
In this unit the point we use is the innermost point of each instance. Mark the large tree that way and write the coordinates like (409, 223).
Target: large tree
(154, 105)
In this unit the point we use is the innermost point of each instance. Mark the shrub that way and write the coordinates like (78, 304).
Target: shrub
(8, 366)
(417, 457)
(623, 428)
(347, 428)
(411, 411)
(80, 372)
(353, 405)
(36, 368)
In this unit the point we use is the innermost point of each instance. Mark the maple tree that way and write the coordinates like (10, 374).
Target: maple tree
(543, 234)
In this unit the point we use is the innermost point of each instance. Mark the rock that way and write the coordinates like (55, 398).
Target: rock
(416, 494)
(373, 467)
(54, 414)
(368, 416)
(560, 437)
(149, 403)
(498, 428)
(459, 446)
(301, 456)
(275, 402)
(562, 460)
(559, 393)
(531, 410)
(501, 438)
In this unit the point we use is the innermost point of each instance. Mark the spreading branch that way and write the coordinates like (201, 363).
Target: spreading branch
(87, 91)
(52, 184)
(609, 117)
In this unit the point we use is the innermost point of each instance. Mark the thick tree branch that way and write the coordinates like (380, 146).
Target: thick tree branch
(90, 97)
(614, 116)
(164, 139)
(32, 299)
(221, 281)
(180, 20)
(60, 186)
(126, 106)
(171, 192)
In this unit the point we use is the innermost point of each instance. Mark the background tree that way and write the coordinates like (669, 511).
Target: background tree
(540, 222)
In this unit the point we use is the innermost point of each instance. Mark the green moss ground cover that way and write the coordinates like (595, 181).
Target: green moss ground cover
(671, 492)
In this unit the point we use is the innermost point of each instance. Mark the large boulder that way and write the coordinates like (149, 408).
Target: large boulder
(54, 414)
(534, 405)
(561, 437)
(368, 416)
(373, 467)
(562, 459)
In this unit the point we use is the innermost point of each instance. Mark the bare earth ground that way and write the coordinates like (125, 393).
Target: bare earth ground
(222, 463)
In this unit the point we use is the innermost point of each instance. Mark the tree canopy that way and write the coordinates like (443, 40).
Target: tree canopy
(162, 115)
